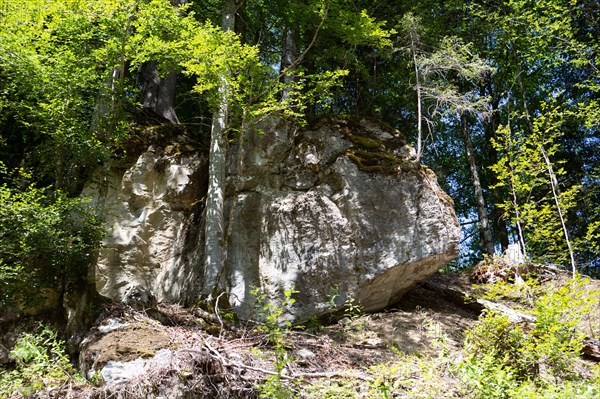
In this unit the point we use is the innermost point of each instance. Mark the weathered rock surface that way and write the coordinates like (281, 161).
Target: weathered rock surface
(152, 212)
(338, 210)
(122, 350)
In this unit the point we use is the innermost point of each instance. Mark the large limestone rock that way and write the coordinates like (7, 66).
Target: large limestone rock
(339, 210)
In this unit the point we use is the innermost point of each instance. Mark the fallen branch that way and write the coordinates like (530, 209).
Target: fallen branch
(514, 316)
(290, 376)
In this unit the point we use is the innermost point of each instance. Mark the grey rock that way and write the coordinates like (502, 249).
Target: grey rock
(139, 298)
(115, 372)
(338, 210)
(111, 324)
(332, 225)
(305, 353)
(153, 214)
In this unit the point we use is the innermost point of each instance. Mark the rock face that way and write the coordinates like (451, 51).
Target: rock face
(152, 211)
(338, 210)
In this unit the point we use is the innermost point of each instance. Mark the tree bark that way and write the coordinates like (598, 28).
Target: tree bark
(419, 111)
(497, 194)
(485, 232)
(288, 58)
(158, 94)
(215, 200)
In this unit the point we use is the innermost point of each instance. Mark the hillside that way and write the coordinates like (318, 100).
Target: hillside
(413, 349)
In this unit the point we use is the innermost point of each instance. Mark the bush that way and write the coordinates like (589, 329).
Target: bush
(46, 243)
(41, 362)
(504, 360)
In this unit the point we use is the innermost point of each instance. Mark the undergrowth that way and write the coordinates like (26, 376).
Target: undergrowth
(500, 359)
(536, 358)
(41, 363)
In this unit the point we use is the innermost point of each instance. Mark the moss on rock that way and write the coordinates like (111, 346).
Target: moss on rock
(138, 339)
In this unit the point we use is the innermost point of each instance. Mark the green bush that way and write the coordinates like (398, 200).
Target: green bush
(41, 363)
(506, 360)
(46, 243)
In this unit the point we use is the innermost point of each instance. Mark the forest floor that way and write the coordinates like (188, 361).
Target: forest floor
(412, 347)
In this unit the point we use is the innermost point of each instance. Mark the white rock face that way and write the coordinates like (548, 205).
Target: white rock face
(149, 210)
(338, 211)
(313, 218)
(118, 372)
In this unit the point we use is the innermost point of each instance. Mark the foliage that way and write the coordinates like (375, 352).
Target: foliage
(522, 170)
(41, 363)
(46, 243)
(57, 57)
(276, 327)
(411, 376)
(71, 82)
(504, 360)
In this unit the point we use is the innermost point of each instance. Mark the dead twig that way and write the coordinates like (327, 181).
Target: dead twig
(292, 376)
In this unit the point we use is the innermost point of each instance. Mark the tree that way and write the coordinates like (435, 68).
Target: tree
(215, 201)
(449, 78)
(412, 31)
(48, 246)
(537, 207)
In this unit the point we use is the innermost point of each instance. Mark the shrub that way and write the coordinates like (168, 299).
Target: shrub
(41, 362)
(505, 360)
(46, 242)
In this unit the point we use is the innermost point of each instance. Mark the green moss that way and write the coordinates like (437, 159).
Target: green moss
(363, 141)
(368, 152)
(137, 340)
(380, 161)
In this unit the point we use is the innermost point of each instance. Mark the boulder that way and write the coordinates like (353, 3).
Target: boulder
(122, 350)
(152, 213)
(339, 210)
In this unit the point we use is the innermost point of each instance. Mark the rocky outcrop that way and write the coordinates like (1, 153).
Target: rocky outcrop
(339, 211)
(152, 211)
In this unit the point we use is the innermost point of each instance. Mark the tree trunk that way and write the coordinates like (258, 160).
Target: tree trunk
(419, 111)
(497, 194)
(158, 94)
(554, 186)
(551, 175)
(485, 232)
(288, 57)
(215, 200)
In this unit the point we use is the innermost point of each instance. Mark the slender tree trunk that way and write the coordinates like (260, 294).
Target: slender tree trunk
(419, 110)
(497, 194)
(515, 203)
(215, 200)
(485, 232)
(554, 185)
(551, 175)
(513, 191)
(288, 57)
